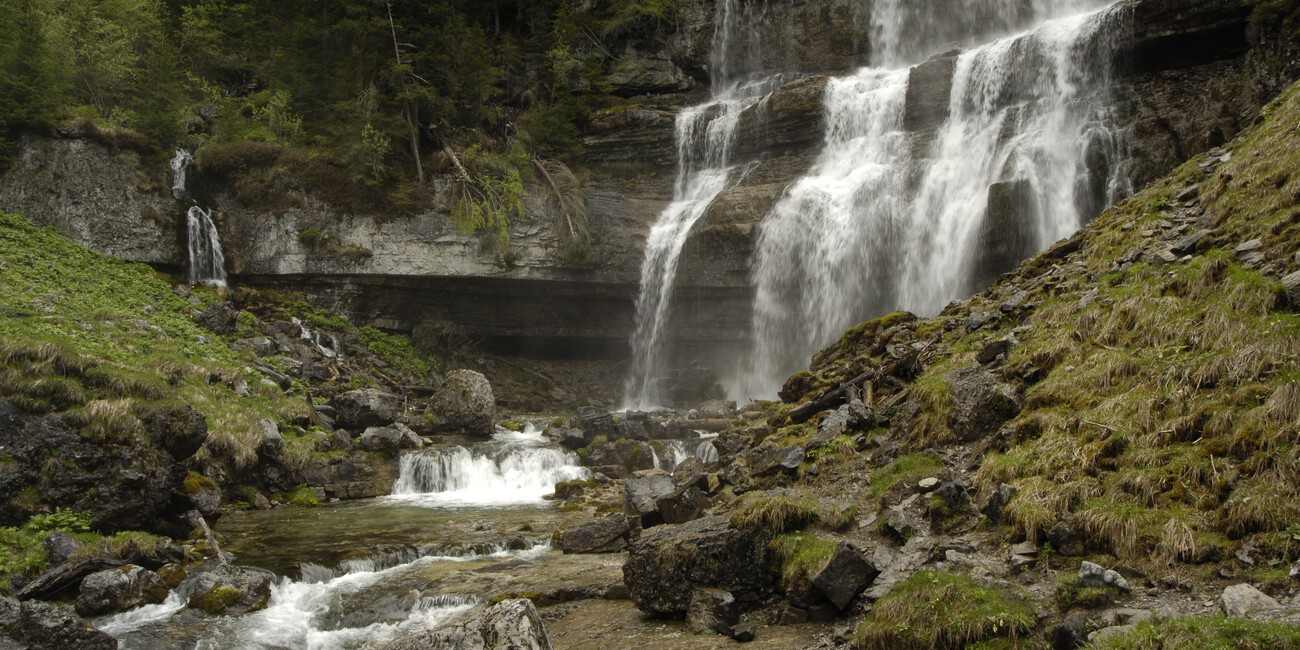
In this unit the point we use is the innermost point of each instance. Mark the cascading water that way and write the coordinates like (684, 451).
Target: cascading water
(207, 262)
(670, 453)
(704, 136)
(511, 468)
(881, 224)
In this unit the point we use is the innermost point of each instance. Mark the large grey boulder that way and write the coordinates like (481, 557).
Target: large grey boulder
(641, 498)
(366, 407)
(1243, 599)
(980, 403)
(464, 404)
(845, 576)
(1094, 575)
(772, 461)
(507, 625)
(390, 439)
(667, 563)
(231, 590)
(120, 589)
(608, 535)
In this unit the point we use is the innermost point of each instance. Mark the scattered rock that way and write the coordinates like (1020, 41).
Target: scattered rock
(219, 318)
(120, 589)
(595, 421)
(997, 504)
(390, 439)
(272, 446)
(464, 404)
(571, 438)
(1024, 548)
(928, 484)
(1094, 575)
(59, 547)
(845, 576)
(953, 495)
(992, 351)
(711, 610)
(1191, 243)
(1070, 633)
(980, 403)
(682, 505)
(640, 498)
(608, 535)
(1066, 540)
(744, 632)
(1291, 284)
(366, 407)
(231, 590)
(512, 624)
(181, 432)
(691, 472)
(668, 562)
(1243, 599)
(785, 459)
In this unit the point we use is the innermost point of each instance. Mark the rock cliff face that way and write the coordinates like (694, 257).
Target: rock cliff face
(1192, 75)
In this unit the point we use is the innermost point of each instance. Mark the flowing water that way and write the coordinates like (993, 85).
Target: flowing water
(464, 520)
(887, 221)
(180, 171)
(207, 262)
(705, 135)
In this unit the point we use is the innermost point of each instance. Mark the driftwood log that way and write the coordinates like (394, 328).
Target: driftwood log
(828, 399)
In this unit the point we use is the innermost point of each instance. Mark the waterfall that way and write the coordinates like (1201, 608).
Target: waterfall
(670, 453)
(510, 468)
(704, 138)
(207, 263)
(180, 167)
(889, 220)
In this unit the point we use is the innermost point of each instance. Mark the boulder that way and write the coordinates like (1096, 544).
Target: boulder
(980, 403)
(1291, 284)
(632, 430)
(1066, 540)
(666, 564)
(595, 421)
(1094, 575)
(736, 474)
(366, 407)
(464, 404)
(992, 351)
(38, 625)
(772, 461)
(849, 417)
(682, 505)
(1070, 633)
(571, 438)
(1243, 599)
(59, 547)
(691, 472)
(120, 589)
(711, 610)
(272, 446)
(509, 624)
(390, 439)
(996, 507)
(641, 496)
(845, 576)
(635, 455)
(219, 317)
(231, 590)
(180, 432)
(608, 535)
(716, 409)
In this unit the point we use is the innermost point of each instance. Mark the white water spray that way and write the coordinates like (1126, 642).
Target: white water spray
(705, 135)
(512, 468)
(207, 262)
(875, 228)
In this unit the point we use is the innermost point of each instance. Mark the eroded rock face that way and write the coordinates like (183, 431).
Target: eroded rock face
(464, 404)
(120, 589)
(668, 562)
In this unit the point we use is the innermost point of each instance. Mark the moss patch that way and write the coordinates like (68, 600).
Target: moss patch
(1217, 633)
(941, 611)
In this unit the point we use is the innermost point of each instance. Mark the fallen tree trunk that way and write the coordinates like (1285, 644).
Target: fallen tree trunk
(829, 399)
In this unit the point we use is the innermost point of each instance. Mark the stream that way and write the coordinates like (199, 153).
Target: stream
(466, 520)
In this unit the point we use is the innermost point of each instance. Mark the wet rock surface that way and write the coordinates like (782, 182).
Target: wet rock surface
(120, 589)
(508, 624)
(464, 404)
(39, 625)
(608, 535)
(230, 590)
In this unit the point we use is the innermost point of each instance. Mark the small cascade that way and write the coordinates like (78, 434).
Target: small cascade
(511, 468)
(881, 224)
(327, 344)
(207, 262)
(670, 453)
(705, 135)
(180, 169)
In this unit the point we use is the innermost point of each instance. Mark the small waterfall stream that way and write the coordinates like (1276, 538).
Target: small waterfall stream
(207, 263)
(880, 224)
